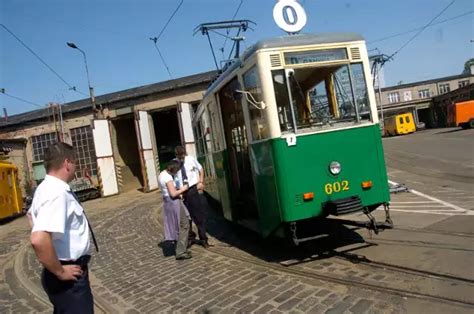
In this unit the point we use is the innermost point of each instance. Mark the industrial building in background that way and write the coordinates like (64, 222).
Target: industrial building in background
(122, 151)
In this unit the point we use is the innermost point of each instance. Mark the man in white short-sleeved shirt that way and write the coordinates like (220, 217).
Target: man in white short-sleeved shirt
(192, 173)
(60, 234)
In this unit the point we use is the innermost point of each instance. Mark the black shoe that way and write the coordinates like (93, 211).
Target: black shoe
(186, 255)
(205, 244)
(191, 242)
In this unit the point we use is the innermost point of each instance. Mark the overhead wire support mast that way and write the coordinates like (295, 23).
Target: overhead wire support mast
(378, 61)
(241, 25)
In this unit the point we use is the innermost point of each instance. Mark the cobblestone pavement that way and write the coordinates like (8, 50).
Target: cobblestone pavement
(131, 274)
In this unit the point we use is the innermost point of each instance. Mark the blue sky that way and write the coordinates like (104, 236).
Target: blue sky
(115, 36)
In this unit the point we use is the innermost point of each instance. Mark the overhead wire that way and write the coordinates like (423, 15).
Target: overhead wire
(233, 17)
(421, 30)
(169, 20)
(21, 99)
(155, 39)
(40, 59)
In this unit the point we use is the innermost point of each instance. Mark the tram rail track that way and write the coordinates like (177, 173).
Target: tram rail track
(421, 244)
(351, 282)
(362, 259)
(344, 280)
(428, 231)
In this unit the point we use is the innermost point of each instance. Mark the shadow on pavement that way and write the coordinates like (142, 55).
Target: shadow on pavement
(7, 220)
(278, 250)
(168, 248)
(449, 131)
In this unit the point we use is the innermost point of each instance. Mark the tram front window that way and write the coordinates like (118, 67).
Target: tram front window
(321, 96)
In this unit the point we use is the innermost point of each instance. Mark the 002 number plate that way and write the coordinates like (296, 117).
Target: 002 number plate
(336, 187)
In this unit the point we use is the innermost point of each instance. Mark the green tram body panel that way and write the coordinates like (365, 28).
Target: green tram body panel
(282, 174)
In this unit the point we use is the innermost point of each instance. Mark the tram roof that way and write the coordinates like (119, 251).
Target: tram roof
(301, 40)
(286, 41)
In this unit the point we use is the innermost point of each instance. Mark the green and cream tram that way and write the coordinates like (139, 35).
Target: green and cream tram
(289, 133)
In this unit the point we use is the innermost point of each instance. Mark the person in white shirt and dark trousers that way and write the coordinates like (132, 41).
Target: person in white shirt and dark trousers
(60, 234)
(192, 174)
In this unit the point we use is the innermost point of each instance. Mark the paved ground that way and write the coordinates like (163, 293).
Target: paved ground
(132, 273)
(437, 162)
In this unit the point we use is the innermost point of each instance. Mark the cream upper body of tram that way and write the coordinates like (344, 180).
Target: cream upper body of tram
(269, 126)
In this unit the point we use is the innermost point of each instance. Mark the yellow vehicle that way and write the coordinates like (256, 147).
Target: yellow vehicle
(399, 124)
(11, 201)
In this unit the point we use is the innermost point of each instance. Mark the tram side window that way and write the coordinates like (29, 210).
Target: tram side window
(205, 130)
(360, 90)
(282, 100)
(199, 139)
(326, 95)
(258, 116)
(215, 130)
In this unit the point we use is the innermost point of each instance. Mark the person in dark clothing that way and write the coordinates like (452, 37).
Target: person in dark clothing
(192, 173)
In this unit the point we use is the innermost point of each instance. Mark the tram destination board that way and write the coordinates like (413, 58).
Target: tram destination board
(300, 57)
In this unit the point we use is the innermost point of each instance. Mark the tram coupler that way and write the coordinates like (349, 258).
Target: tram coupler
(375, 226)
(388, 219)
(372, 224)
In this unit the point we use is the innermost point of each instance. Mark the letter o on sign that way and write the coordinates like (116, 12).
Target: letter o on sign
(289, 15)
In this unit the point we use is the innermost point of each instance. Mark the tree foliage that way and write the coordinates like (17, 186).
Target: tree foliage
(467, 66)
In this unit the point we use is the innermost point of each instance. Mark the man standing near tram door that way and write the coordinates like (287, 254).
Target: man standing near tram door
(60, 234)
(192, 173)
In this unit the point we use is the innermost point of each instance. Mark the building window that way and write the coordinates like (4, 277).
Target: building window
(463, 83)
(444, 88)
(83, 143)
(41, 142)
(424, 93)
(393, 98)
(407, 95)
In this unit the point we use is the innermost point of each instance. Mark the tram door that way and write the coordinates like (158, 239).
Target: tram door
(243, 191)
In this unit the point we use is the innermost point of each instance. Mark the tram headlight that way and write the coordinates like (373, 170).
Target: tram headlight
(335, 167)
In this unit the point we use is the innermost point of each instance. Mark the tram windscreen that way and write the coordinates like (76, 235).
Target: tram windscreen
(321, 96)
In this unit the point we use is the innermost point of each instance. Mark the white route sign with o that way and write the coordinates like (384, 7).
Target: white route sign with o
(289, 15)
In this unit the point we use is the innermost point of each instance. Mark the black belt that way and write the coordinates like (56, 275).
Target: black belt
(81, 261)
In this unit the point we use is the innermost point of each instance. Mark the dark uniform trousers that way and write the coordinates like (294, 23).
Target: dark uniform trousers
(197, 207)
(70, 296)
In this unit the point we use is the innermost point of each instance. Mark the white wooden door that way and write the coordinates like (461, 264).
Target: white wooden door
(105, 157)
(186, 128)
(147, 154)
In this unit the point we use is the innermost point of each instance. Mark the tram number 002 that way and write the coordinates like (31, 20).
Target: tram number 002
(336, 187)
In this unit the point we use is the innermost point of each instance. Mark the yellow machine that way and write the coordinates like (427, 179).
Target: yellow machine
(11, 201)
(399, 124)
